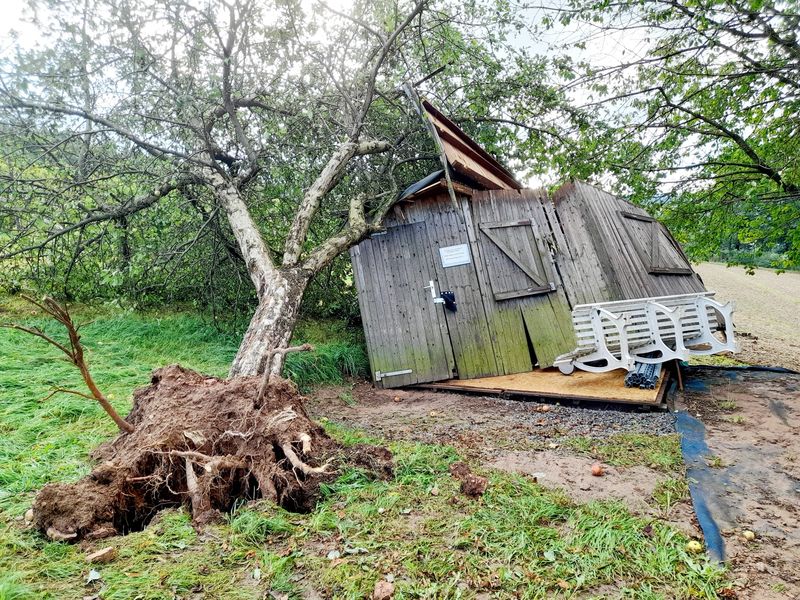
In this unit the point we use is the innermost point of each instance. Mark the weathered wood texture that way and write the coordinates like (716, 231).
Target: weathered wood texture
(530, 260)
(470, 336)
(403, 328)
(514, 241)
(466, 156)
(609, 249)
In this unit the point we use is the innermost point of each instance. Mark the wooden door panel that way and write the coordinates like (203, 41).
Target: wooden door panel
(406, 336)
(472, 344)
(513, 260)
(527, 295)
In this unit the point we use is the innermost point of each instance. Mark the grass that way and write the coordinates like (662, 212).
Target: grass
(668, 492)
(521, 540)
(716, 360)
(330, 363)
(662, 452)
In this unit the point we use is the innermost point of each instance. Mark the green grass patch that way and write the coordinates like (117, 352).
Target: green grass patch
(668, 492)
(716, 360)
(520, 540)
(662, 452)
(330, 363)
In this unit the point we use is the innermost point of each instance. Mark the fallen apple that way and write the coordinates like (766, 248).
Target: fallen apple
(694, 547)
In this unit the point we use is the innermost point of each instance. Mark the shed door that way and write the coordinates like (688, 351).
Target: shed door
(405, 330)
(525, 294)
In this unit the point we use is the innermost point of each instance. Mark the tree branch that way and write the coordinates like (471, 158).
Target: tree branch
(74, 353)
(324, 183)
(110, 214)
(149, 147)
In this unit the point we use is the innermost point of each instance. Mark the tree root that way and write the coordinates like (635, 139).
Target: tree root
(299, 464)
(205, 443)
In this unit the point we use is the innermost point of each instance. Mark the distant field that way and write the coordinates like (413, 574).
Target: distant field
(767, 313)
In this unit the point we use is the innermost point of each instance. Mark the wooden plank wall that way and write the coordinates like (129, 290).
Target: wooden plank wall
(403, 328)
(546, 316)
(472, 341)
(582, 241)
(504, 321)
(600, 261)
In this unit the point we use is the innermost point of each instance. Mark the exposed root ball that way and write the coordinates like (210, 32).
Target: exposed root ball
(202, 442)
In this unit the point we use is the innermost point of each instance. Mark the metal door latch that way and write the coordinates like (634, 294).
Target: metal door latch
(379, 375)
(432, 287)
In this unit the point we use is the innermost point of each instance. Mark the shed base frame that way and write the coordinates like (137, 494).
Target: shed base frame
(550, 384)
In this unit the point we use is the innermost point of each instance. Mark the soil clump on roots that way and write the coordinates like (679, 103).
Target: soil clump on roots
(206, 443)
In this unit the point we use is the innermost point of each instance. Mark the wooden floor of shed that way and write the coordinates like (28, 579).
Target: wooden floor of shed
(550, 383)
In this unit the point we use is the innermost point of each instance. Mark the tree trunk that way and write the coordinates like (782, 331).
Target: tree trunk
(272, 324)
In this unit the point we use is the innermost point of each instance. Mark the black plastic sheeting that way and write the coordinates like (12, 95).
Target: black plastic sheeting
(702, 480)
(421, 184)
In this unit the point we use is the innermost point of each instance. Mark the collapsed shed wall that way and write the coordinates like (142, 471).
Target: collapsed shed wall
(614, 250)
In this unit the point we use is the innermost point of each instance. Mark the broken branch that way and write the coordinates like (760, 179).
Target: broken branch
(268, 362)
(74, 353)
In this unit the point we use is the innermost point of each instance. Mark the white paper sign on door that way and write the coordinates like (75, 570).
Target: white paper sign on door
(453, 256)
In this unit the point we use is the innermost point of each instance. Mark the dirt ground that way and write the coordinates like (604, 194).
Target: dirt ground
(749, 419)
(515, 436)
(767, 315)
(754, 444)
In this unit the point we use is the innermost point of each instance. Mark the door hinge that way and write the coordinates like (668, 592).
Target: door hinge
(379, 375)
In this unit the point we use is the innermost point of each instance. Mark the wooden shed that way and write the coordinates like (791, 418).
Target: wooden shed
(482, 282)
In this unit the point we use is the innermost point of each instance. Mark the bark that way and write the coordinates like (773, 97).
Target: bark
(272, 324)
(254, 251)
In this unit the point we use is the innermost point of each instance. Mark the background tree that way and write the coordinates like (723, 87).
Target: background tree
(700, 116)
(234, 147)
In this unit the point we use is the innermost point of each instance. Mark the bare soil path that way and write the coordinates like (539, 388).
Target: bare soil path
(750, 419)
(752, 433)
(767, 315)
(523, 437)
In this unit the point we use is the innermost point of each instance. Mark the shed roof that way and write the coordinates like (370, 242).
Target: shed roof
(467, 157)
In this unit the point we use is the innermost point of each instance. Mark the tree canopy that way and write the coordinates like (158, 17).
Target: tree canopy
(704, 115)
(115, 124)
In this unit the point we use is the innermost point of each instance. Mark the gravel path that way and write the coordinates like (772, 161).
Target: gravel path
(480, 423)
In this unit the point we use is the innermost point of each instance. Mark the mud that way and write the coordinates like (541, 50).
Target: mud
(472, 485)
(751, 420)
(203, 442)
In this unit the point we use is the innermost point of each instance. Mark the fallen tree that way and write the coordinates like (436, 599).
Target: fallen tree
(193, 440)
